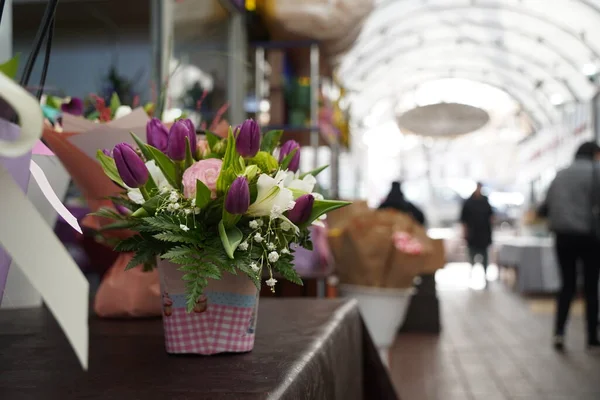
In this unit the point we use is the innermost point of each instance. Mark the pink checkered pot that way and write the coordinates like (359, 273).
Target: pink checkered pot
(223, 320)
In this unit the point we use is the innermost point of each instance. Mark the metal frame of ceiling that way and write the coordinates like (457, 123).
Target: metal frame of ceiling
(544, 42)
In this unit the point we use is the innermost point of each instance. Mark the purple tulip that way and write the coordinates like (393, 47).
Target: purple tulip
(238, 196)
(107, 152)
(286, 149)
(176, 143)
(122, 209)
(192, 132)
(157, 134)
(301, 211)
(131, 167)
(73, 107)
(247, 138)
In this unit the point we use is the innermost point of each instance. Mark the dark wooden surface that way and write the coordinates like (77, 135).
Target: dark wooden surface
(495, 345)
(305, 349)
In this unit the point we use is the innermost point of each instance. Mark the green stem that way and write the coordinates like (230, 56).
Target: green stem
(145, 193)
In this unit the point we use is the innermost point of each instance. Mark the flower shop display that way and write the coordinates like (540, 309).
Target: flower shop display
(378, 253)
(212, 214)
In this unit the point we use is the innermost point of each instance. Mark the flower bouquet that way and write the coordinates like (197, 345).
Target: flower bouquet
(212, 215)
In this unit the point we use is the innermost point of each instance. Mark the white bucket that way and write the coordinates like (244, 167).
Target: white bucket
(382, 309)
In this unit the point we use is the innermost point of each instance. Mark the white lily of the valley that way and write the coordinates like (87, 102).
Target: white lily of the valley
(271, 195)
(122, 111)
(159, 178)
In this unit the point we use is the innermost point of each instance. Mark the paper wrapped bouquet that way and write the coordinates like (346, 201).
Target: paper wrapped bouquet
(381, 248)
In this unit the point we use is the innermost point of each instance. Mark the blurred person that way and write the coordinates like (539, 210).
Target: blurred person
(569, 209)
(396, 200)
(476, 217)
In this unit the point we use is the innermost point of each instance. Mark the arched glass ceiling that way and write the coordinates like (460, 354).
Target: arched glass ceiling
(549, 43)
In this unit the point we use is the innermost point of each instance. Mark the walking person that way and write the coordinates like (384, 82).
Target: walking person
(476, 218)
(569, 207)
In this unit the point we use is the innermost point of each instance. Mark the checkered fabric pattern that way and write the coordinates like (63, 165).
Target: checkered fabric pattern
(220, 329)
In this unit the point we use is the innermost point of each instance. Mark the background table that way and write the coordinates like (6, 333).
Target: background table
(535, 261)
(305, 349)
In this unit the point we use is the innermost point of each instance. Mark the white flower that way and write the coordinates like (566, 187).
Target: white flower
(122, 111)
(254, 267)
(187, 211)
(258, 238)
(243, 246)
(196, 210)
(184, 227)
(158, 177)
(286, 226)
(253, 224)
(305, 185)
(276, 212)
(171, 114)
(176, 206)
(271, 282)
(271, 194)
(136, 196)
(260, 222)
(173, 197)
(317, 196)
(270, 246)
(194, 202)
(170, 207)
(273, 256)
(285, 251)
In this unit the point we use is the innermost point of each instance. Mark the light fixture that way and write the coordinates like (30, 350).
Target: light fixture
(589, 69)
(557, 99)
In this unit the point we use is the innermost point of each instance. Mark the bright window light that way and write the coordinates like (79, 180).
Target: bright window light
(557, 99)
(589, 69)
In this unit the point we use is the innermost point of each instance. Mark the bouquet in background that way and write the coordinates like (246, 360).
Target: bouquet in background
(215, 205)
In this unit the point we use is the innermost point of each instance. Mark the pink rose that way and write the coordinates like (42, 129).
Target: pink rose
(202, 147)
(205, 171)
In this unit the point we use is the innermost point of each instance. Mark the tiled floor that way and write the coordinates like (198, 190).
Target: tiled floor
(494, 345)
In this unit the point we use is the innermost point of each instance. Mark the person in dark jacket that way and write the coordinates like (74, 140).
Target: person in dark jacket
(396, 200)
(568, 207)
(476, 218)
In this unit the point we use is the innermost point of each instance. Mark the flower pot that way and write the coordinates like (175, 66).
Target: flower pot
(223, 320)
(382, 309)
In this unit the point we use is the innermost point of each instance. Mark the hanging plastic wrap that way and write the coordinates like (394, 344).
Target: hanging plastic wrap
(336, 23)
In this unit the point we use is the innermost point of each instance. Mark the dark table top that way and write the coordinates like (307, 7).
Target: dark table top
(304, 349)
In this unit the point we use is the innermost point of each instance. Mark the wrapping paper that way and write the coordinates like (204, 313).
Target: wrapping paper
(363, 243)
(223, 320)
(18, 168)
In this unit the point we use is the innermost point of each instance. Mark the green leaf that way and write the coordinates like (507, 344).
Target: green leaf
(271, 140)
(93, 115)
(130, 244)
(125, 224)
(150, 185)
(109, 213)
(142, 257)
(11, 67)
(314, 172)
(152, 203)
(54, 102)
(163, 162)
(229, 220)
(189, 158)
(286, 161)
(140, 213)
(202, 194)
(230, 238)
(175, 238)
(212, 139)
(230, 168)
(115, 103)
(321, 207)
(109, 167)
(265, 161)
